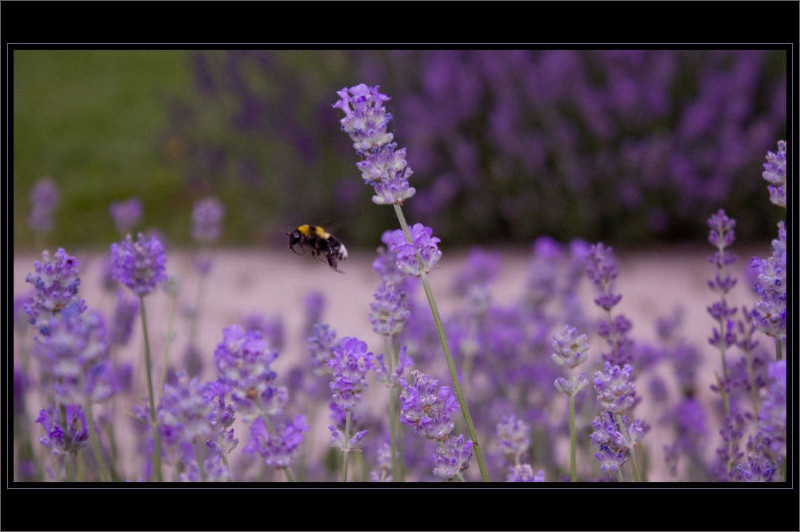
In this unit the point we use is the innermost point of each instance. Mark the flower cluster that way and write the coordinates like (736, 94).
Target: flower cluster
(139, 265)
(75, 354)
(426, 407)
(769, 312)
(384, 471)
(570, 351)
(602, 269)
(524, 473)
(420, 255)
(350, 362)
(243, 361)
(320, 346)
(514, 437)
(55, 284)
(383, 167)
(452, 457)
(277, 447)
(126, 214)
(389, 311)
(775, 174)
(62, 440)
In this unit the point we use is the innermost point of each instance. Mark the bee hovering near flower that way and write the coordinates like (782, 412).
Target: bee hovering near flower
(320, 242)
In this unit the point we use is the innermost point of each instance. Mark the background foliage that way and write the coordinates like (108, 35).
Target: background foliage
(625, 146)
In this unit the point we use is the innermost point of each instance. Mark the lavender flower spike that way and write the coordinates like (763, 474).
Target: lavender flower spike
(55, 285)
(424, 245)
(140, 265)
(365, 117)
(775, 174)
(570, 348)
(452, 458)
(426, 406)
(350, 364)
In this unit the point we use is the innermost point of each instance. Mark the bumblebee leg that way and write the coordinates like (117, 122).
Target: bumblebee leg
(332, 262)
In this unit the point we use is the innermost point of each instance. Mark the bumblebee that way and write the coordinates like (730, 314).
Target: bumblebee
(321, 243)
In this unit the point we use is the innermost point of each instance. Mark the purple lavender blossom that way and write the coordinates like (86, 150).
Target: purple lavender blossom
(55, 285)
(126, 214)
(350, 362)
(279, 448)
(243, 361)
(772, 416)
(382, 166)
(615, 389)
(338, 441)
(756, 469)
(524, 473)
(383, 473)
(320, 346)
(184, 415)
(451, 458)
(365, 117)
(389, 311)
(44, 198)
(75, 354)
(602, 269)
(570, 348)
(122, 321)
(610, 460)
(207, 219)
(140, 265)
(775, 174)
(424, 245)
(59, 441)
(514, 437)
(426, 407)
(769, 312)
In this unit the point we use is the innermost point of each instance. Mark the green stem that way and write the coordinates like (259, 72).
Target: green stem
(392, 408)
(346, 439)
(148, 370)
(778, 348)
(448, 356)
(98, 452)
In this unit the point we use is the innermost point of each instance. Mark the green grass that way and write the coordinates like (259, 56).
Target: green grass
(91, 121)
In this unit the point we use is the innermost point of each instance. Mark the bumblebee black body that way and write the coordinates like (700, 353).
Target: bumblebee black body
(319, 242)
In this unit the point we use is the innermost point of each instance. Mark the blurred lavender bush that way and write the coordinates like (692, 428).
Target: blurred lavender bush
(506, 144)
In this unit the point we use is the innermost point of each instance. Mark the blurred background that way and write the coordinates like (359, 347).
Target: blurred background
(631, 147)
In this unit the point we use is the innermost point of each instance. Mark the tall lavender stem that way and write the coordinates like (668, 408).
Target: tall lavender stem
(448, 356)
(150, 396)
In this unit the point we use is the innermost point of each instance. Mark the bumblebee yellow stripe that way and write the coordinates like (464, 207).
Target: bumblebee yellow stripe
(321, 232)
